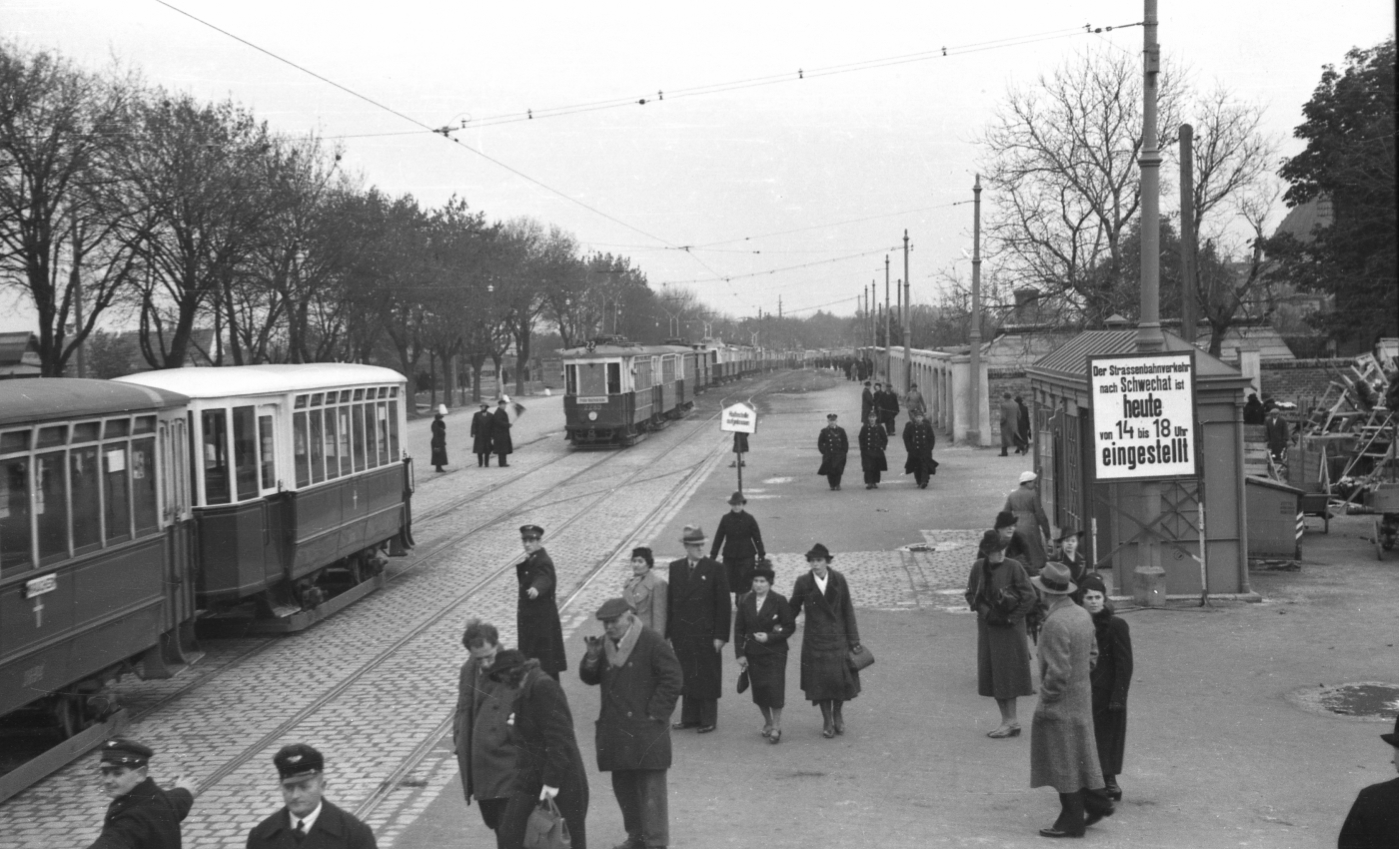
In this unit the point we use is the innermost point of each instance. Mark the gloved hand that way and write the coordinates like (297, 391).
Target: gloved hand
(547, 792)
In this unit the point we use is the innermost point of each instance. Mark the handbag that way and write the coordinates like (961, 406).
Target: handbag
(546, 828)
(861, 658)
(743, 681)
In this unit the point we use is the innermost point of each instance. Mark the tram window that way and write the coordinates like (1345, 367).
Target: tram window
(668, 369)
(51, 436)
(382, 432)
(116, 428)
(359, 394)
(357, 425)
(316, 400)
(144, 424)
(87, 498)
(316, 442)
(344, 397)
(614, 378)
(51, 505)
(332, 446)
(14, 511)
(85, 432)
(214, 424)
(371, 450)
(571, 380)
(15, 440)
(301, 402)
(245, 451)
(393, 428)
(143, 500)
(115, 490)
(345, 460)
(301, 449)
(267, 459)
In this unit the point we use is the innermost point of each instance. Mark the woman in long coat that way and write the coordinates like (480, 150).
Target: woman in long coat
(1000, 592)
(1111, 677)
(827, 678)
(1063, 754)
(873, 441)
(439, 438)
(1031, 525)
(481, 735)
(919, 440)
(501, 443)
(646, 591)
(761, 628)
(834, 446)
(548, 751)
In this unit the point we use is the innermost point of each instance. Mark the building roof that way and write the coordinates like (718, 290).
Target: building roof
(235, 381)
(19, 347)
(611, 351)
(1265, 338)
(1070, 361)
(24, 402)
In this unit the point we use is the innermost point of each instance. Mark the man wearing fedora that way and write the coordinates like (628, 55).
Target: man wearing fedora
(141, 815)
(834, 446)
(1373, 821)
(307, 820)
(698, 619)
(537, 626)
(481, 424)
(640, 680)
(1063, 752)
(501, 443)
(741, 542)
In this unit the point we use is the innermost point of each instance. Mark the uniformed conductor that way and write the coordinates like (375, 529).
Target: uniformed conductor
(141, 815)
(537, 624)
(307, 821)
(698, 619)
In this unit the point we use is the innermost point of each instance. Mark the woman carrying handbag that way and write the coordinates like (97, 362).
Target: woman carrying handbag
(761, 628)
(828, 678)
(1000, 592)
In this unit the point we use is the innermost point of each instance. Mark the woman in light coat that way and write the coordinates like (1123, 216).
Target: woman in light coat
(1063, 754)
(999, 591)
(646, 590)
(1032, 526)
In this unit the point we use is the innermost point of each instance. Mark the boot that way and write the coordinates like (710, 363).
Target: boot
(828, 730)
(837, 720)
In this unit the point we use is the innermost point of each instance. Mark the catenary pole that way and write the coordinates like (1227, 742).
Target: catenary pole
(888, 340)
(907, 318)
(1188, 285)
(974, 335)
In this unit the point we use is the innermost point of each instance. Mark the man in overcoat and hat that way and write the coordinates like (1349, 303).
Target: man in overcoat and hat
(640, 680)
(501, 443)
(537, 625)
(307, 819)
(919, 440)
(141, 815)
(1063, 753)
(698, 621)
(888, 408)
(1373, 820)
(834, 446)
(867, 401)
(741, 542)
(481, 435)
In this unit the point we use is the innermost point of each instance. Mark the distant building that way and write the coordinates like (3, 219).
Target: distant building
(19, 355)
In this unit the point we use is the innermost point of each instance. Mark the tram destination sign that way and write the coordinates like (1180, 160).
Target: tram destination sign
(740, 418)
(1143, 416)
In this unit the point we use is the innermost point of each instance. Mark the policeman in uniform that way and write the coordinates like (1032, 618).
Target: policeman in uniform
(307, 821)
(537, 626)
(141, 815)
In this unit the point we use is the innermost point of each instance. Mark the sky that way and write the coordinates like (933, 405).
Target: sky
(847, 128)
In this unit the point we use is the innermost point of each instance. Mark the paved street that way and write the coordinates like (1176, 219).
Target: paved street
(1219, 751)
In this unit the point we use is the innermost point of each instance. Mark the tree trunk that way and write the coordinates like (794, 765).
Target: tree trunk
(432, 379)
(521, 358)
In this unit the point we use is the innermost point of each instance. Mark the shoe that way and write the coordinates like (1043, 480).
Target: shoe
(1113, 792)
(840, 726)
(1004, 731)
(681, 726)
(505, 465)
(767, 729)
(704, 729)
(1095, 816)
(828, 732)
(1054, 832)
(775, 737)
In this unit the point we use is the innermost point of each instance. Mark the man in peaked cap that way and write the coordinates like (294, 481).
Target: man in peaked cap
(834, 446)
(141, 815)
(1373, 820)
(698, 620)
(537, 627)
(307, 820)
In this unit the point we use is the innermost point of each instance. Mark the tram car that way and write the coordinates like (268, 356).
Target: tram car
(615, 391)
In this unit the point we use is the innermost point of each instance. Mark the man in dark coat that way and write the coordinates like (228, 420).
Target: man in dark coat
(889, 409)
(481, 734)
(307, 821)
(1373, 820)
(481, 435)
(1022, 426)
(439, 438)
(641, 681)
(741, 542)
(140, 815)
(537, 625)
(834, 446)
(1010, 425)
(919, 440)
(500, 431)
(698, 619)
(867, 401)
(1253, 410)
(1277, 431)
(873, 440)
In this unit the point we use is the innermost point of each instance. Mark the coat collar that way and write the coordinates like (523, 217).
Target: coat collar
(331, 821)
(617, 655)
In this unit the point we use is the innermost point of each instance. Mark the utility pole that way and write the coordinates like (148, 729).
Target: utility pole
(974, 335)
(907, 319)
(1188, 285)
(887, 337)
(76, 282)
(1149, 338)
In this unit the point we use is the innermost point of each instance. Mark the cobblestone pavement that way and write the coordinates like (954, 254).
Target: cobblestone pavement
(386, 693)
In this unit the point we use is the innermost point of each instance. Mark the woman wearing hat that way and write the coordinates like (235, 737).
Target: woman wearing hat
(439, 438)
(1063, 752)
(1068, 540)
(1032, 526)
(1111, 677)
(834, 446)
(646, 590)
(549, 765)
(999, 591)
(831, 634)
(873, 441)
(761, 628)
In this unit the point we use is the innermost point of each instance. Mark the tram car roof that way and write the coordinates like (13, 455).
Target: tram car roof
(48, 398)
(614, 351)
(234, 381)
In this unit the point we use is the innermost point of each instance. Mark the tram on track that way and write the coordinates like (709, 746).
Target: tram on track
(261, 498)
(615, 391)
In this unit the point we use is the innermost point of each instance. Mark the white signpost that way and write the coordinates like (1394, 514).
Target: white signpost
(1143, 416)
(740, 418)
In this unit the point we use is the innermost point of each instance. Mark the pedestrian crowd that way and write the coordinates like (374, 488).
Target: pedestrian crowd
(490, 434)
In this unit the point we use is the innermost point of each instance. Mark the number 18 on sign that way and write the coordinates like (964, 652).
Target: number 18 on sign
(1143, 415)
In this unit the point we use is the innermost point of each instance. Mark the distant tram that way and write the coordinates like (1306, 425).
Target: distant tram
(615, 391)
